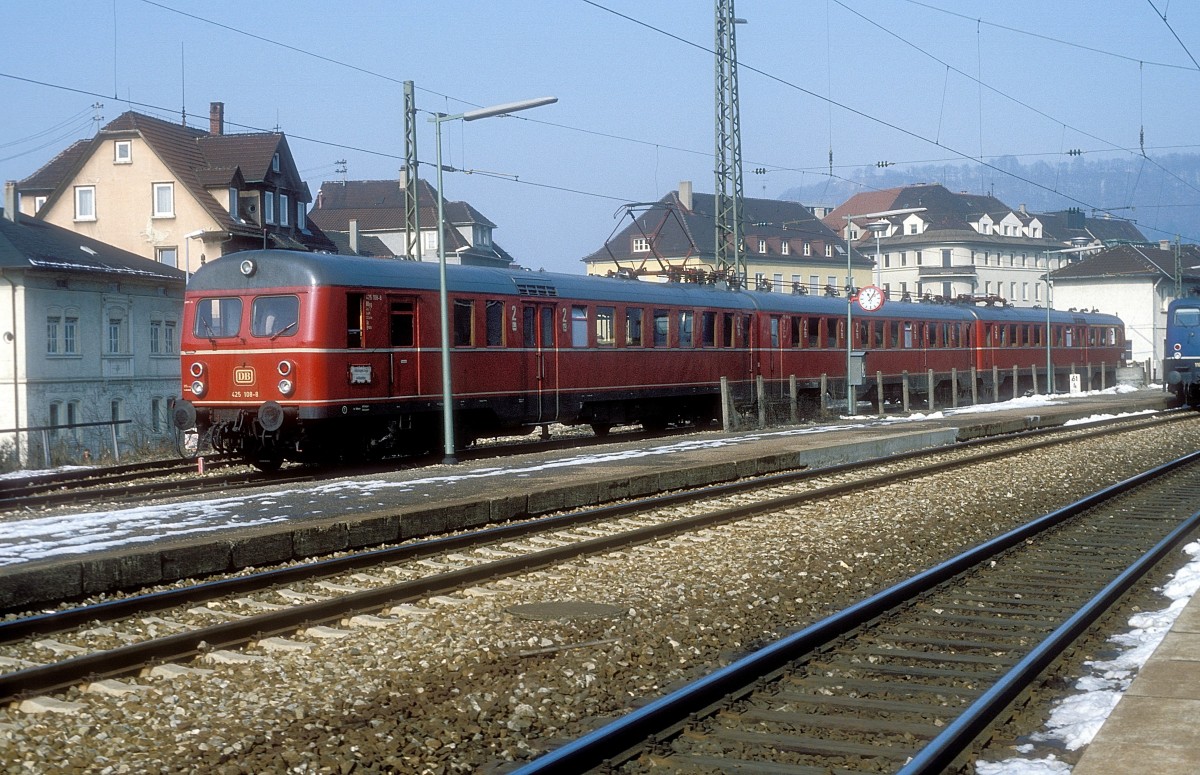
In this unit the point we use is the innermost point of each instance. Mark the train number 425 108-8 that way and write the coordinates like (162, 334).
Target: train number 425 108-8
(244, 394)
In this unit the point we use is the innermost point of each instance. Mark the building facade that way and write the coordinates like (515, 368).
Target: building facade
(90, 335)
(175, 194)
(948, 246)
(786, 247)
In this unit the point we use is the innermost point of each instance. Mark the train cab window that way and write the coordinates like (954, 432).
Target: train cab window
(686, 335)
(464, 322)
(579, 326)
(727, 330)
(1188, 317)
(606, 334)
(218, 317)
(493, 313)
(402, 331)
(274, 316)
(633, 327)
(662, 326)
(708, 329)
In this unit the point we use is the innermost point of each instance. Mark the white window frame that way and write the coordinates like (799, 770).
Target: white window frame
(641, 245)
(783, 248)
(122, 152)
(233, 201)
(829, 251)
(762, 246)
(161, 253)
(807, 249)
(301, 216)
(275, 162)
(285, 202)
(85, 203)
(268, 207)
(159, 190)
(70, 332)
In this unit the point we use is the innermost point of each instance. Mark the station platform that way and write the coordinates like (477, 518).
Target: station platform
(1155, 727)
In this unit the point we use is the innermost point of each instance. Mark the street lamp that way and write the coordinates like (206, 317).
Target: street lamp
(438, 119)
(851, 402)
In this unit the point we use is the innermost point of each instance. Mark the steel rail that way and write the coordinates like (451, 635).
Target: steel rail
(612, 742)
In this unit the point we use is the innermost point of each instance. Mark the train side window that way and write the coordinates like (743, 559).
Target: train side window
(218, 317)
(274, 316)
(774, 331)
(662, 325)
(493, 314)
(606, 335)
(547, 328)
(1188, 317)
(1069, 333)
(354, 320)
(727, 330)
(812, 332)
(708, 329)
(633, 327)
(464, 322)
(686, 335)
(832, 332)
(908, 334)
(579, 327)
(401, 328)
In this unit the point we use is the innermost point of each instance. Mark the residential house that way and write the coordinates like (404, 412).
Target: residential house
(1134, 282)
(375, 208)
(89, 333)
(786, 247)
(176, 194)
(946, 245)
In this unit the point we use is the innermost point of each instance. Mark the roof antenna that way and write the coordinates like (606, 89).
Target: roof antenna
(182, 85)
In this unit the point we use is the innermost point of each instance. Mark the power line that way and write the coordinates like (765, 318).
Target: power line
(1179, 40)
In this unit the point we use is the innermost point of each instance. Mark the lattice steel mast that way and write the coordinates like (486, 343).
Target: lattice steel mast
(730, 255)
(409, 176)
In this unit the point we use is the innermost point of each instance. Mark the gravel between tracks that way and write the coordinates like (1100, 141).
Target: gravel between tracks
(462, 684)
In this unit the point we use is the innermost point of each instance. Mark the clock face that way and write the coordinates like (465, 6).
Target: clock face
(870, 298)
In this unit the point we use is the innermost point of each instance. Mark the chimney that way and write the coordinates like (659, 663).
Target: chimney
(216, 118)
(10, 200)
(685, 194)
(1023, 210)
(1163, 244)
(354, 236)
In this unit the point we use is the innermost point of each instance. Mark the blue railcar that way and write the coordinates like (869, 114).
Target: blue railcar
(1181, 355)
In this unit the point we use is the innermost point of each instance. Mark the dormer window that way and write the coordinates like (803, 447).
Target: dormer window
(123, 152)
(829, 251)
(641, 245)
(912, 228)
(762, 246)
(233, 203)
(275, 163)
(268, 207)
(783, 248)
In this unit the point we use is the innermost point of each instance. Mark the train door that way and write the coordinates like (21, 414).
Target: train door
(540, 373)
(405, 377)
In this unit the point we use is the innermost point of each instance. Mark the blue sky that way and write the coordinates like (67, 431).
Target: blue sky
(901, 81)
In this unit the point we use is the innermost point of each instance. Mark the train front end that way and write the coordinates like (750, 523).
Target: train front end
(245, 346)
(1181, 355)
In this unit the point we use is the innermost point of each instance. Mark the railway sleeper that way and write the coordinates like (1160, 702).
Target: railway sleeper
(818, 721)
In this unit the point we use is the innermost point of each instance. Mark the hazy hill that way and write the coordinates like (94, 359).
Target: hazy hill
(1162, 195)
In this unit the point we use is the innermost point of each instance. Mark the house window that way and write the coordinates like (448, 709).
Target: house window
(116, 340)
(641, 245)
(156, 337)
(912, 228)
(38, 201)
(73, 415)
(168, 256)
(429, 240)
(85, 203)
(233, 202)
(301, 216)
(814, 282)
(123, 152)
(919, 257)
(887, 260)
(777, 280)
(164, 200)
(284, 205)
(829, 251)
(52, 324)
(762, 246)
(169, 337)
(275, 163)
(268, 207)
(783, 248)
(807, 249)
(53, 419)
(70, 327)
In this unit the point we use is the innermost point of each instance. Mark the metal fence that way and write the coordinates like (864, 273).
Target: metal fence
(46, 434)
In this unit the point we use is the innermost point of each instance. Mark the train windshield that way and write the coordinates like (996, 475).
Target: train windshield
(274, 316)
(1187, 316)
(218, 317)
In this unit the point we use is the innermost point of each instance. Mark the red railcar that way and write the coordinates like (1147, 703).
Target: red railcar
(312, 356)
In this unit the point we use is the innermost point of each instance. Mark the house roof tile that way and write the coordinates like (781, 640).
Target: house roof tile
(30, 243)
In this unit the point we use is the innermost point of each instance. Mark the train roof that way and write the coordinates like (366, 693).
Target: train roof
(294, 269)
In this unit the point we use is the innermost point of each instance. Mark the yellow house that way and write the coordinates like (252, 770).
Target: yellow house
(175, 194)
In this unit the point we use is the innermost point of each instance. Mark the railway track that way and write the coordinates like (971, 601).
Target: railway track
(909, 679)
(119, 636)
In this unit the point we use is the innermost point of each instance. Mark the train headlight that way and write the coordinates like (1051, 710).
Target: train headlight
(1178, 355)
(285, 368)
(286, 386)
(196, 370)
(199, 388)
(1178, 347)
(248, 267)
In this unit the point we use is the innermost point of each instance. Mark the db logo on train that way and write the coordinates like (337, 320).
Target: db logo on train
(243, 376)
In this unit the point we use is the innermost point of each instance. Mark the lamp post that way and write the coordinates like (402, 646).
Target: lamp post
(438, 119)
(851, 402)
